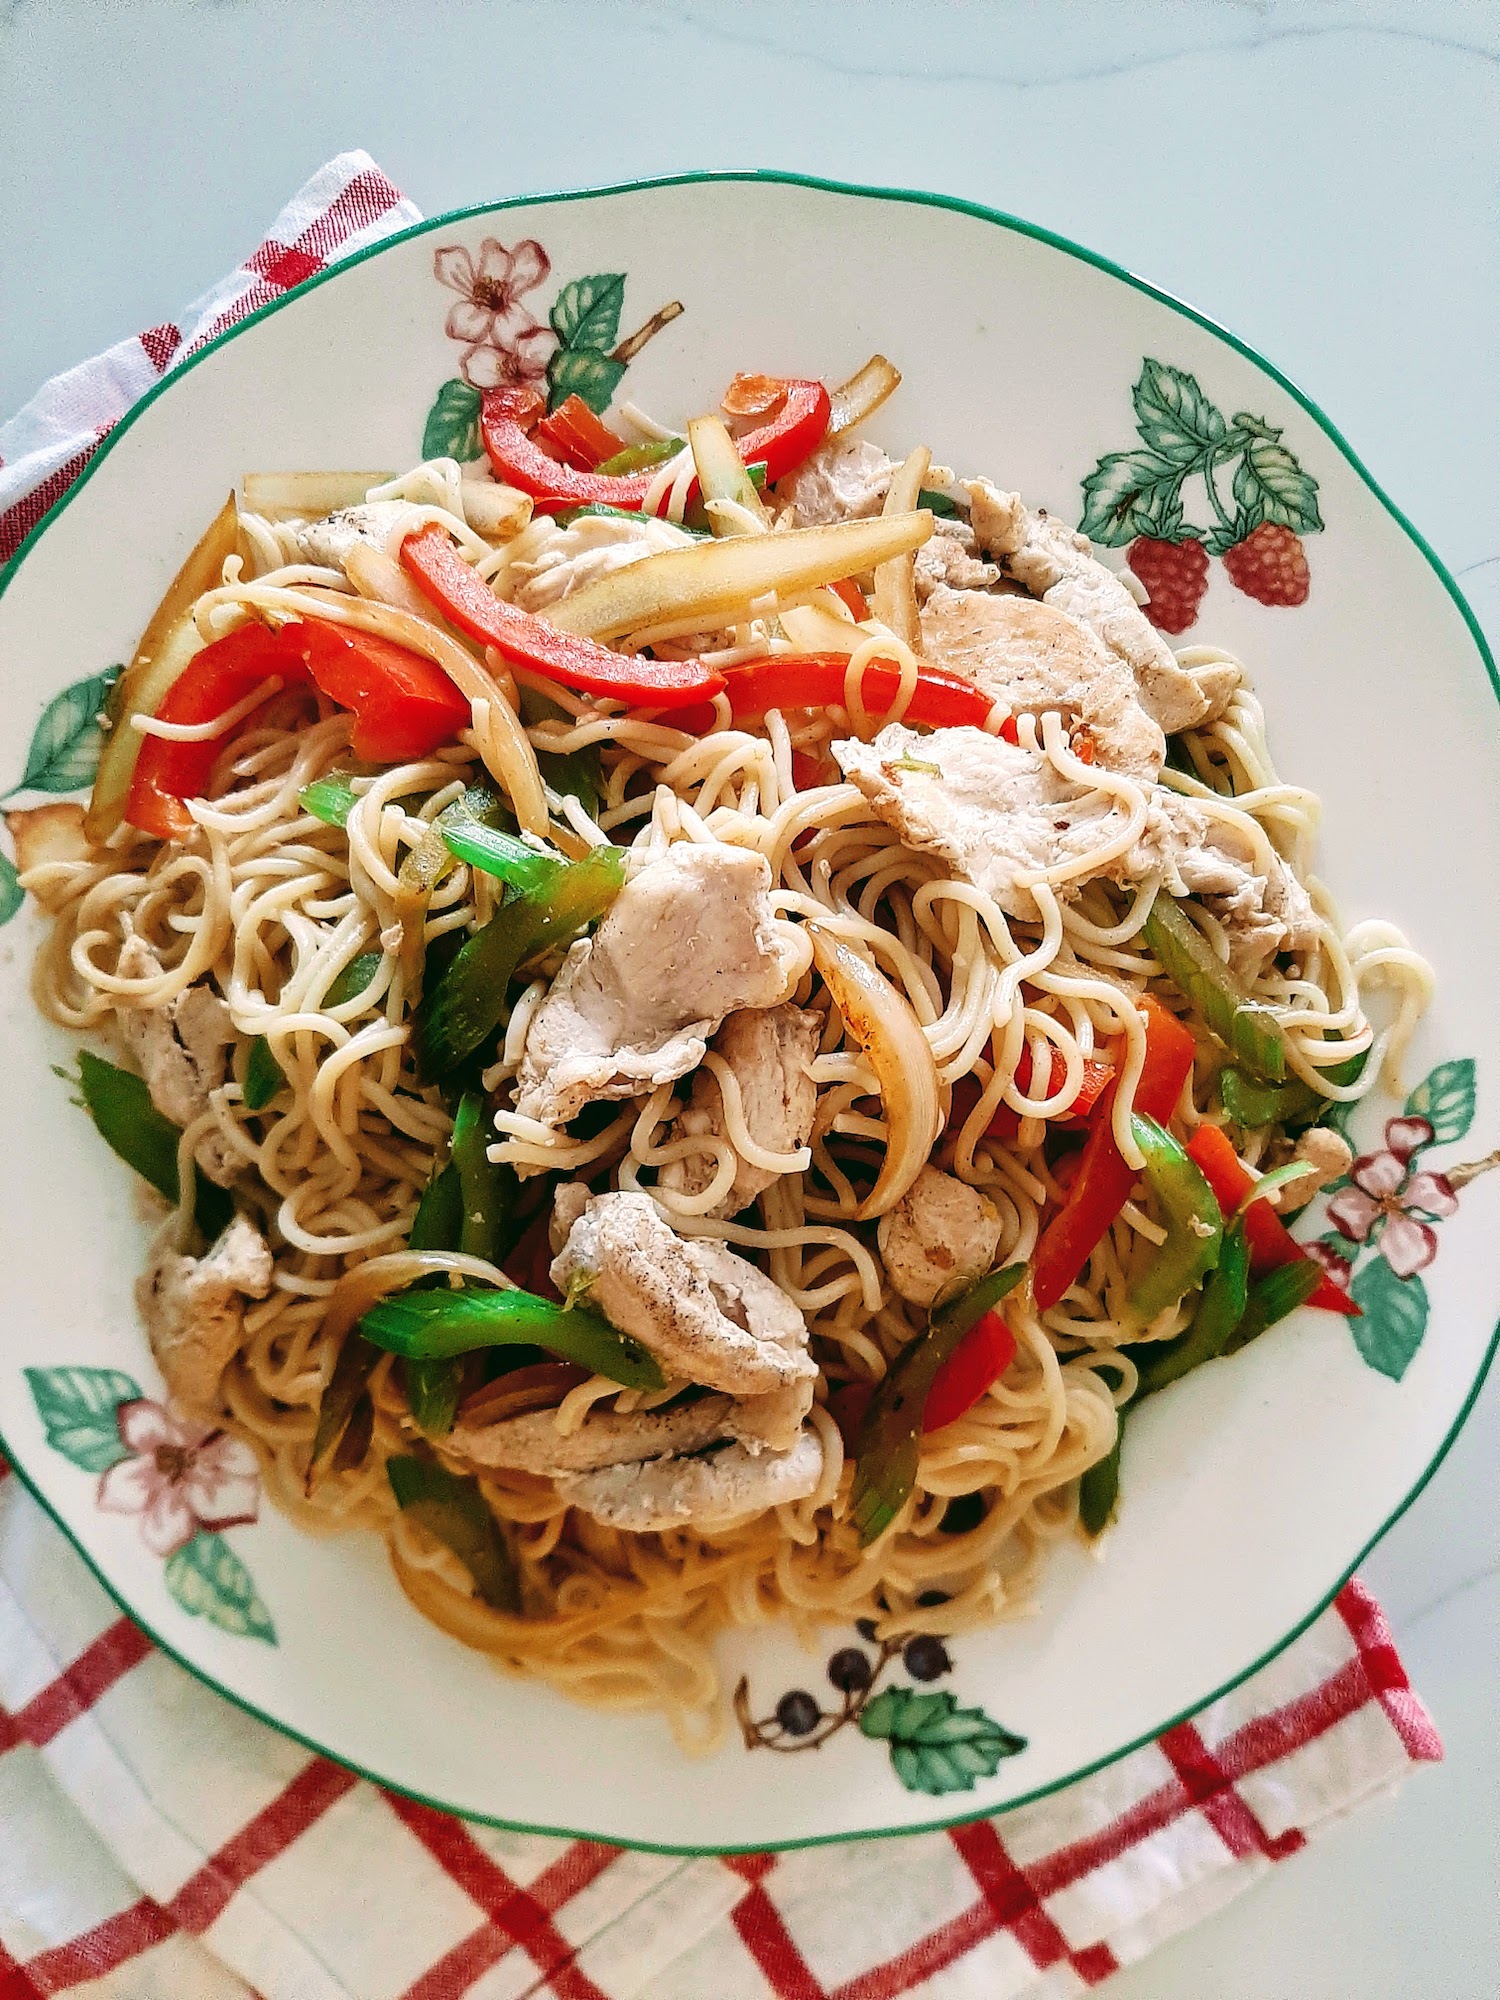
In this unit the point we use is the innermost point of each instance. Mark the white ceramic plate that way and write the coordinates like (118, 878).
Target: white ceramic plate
(1251, 1489)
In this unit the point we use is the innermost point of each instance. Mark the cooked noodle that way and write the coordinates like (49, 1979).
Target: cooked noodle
(270, 906)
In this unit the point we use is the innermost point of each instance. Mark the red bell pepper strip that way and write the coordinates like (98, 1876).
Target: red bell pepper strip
(1272, 1244)
(577, 436)
(507, 416)
(1103, 1183)
(467, 601)
(940, 700)
(1006, 1123)
(223, 673)
(404, 704)
(849, 594)
(981, 1358)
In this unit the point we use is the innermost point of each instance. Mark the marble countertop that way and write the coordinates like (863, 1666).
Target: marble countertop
(1320, 177)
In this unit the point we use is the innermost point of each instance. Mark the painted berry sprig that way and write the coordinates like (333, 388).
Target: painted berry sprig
(935, 1745)
(1139, 499)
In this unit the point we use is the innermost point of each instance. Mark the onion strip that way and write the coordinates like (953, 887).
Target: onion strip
(896, 581)
(862, 395)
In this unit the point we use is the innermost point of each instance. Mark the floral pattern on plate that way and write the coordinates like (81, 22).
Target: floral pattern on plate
(182, 1481)
(577, 353)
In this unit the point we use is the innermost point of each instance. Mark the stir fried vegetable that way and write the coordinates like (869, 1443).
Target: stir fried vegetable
(403, 703)
(1102, 1185)
(1249, 1030)
(939, 700)
(862, 395)
(306, 496)
(330, 798)
(1194, 1226)
(651, 453)
(351, 1373)
(264, 1075)
(571, 773)
(433, 1388)
(453, 1511)
(1273, 1297)
(499, 854)
(131, 1126)
(979, 1360)
(469, 1000)
(430, 1326)
(882, 1022)
(579, 438)
(722, 478)
(1272, 1244)
(1006, 1123)
(1291, 1104)
(166, 647)
(716, 582)
(887, 1447)
(1219, 1312)
(895, 581)
(566, 655)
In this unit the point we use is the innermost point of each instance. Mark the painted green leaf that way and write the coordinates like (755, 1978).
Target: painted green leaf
(1394, 1317)
(452, 427)
(936, 1746)
(1131, 493)
(65, 744)
(78, 1408)
(1270, 485)
(1173, 415)
(12, 896)
(579, 371)
(1445, 1098)
(587, 312)
(209, 1581)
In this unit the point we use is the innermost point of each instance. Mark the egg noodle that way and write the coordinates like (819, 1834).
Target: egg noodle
(269, 906)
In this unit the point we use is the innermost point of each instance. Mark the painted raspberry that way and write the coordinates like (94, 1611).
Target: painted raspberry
(1175, 575)
(1270, 565)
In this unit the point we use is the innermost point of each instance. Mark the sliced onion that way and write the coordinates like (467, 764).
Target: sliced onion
(541, 1386)
(714, 582)
(722, 476)
(307, 496)
(896, 581)
(881, 1020)
(862, 395)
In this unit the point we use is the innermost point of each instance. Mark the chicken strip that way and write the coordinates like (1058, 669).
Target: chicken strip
(194, 1311)
(941, 1233)
(680, 1492)
(769, 1051)
(688, 940)
(845, 479)
(1036, 658)
(181, 1049)
(1058, 565)
(708, 1316)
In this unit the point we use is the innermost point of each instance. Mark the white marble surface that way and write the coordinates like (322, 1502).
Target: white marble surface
(1319, 176)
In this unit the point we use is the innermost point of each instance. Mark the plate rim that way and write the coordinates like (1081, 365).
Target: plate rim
(1017, 225)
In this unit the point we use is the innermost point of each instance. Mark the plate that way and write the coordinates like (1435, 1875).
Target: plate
(1253, 1489)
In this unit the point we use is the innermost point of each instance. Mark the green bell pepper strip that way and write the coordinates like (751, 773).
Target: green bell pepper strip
(330, 798)
(571, 514)
(1248, 1030)
(935, 502)
(636, 457)
(888, 1443)
(452, 1510)
(347, 1383)
(487, 1188)
(131, 1126)
(264, 1076)
(356, 976)
(1099, 1488)
(1219, 1312)
(502, 855)
(469, 1001)
(1251, 1103)
(434, 1388)
(431, 1326)
(1195, 1226)
(1272, 1297)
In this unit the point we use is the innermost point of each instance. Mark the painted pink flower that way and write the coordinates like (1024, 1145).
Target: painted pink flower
(504, 345)
(1340, 1269)
(179, 1477)
(1391, 1206)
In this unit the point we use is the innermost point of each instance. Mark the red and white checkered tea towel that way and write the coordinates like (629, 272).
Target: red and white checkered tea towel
(156, 1843)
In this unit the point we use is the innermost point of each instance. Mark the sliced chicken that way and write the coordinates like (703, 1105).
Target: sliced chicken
(194, 1310)
(49, 837)
(1329, 1155)
(708, 1316)
(180, 1047)
(1056, 564)
(548, 563)
(845, 479)
(1036, 658)
(722, 1485)
(769, 1050)
(688, 940)
(941, 1233)
(373, 524)
(997, 813)
(948, 557)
